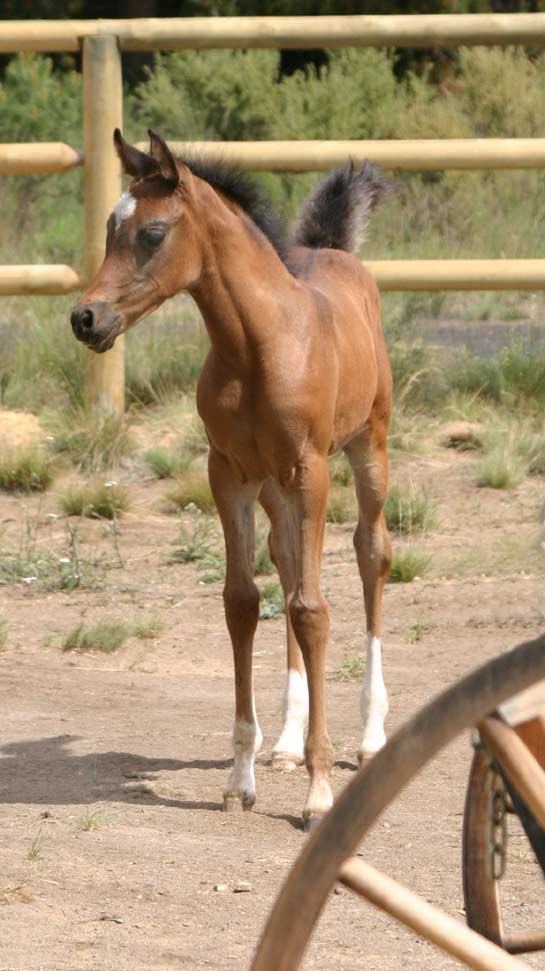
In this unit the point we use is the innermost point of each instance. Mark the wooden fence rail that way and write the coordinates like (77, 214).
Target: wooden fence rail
(101, 42)
(402, 155)
(199, 33)
(416, 155)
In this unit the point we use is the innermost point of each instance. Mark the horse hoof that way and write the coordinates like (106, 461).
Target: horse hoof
(282, 762)
(238, 804)
(311, 821)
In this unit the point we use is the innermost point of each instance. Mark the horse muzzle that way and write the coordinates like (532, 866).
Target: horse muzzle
(95, 324)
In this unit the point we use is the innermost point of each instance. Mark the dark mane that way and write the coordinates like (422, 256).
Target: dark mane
(242, 189)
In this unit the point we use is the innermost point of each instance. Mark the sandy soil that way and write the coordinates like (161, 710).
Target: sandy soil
(142, 739)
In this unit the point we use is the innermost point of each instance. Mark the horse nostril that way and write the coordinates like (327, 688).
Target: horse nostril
(81, 318)
(86, 318)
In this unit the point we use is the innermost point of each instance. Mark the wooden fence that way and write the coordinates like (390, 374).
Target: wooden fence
(101, 43)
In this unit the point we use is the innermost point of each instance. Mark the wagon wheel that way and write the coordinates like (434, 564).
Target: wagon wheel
(328, 854)
(506, 776)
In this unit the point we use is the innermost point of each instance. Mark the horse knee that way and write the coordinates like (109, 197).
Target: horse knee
(241, 603)
(373, 547)
(309, 618)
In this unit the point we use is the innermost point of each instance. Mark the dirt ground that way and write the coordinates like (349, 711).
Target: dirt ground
(138, 742)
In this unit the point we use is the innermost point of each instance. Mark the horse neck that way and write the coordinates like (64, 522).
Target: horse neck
(242, 289)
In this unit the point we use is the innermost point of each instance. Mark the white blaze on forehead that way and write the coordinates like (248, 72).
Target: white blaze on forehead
(124, 208)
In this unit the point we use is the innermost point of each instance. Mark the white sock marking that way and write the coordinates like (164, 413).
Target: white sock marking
(294, 715)
(373, 700)
(247, 739)
(124, 208)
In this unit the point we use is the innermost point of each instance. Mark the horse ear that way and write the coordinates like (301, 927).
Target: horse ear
(134, 161)
(164, 158)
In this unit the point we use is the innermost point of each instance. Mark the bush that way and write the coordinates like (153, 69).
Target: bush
(43, 212)
(25, 470)
(236, 95)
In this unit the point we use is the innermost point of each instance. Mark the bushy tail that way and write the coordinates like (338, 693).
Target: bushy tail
(336, 214)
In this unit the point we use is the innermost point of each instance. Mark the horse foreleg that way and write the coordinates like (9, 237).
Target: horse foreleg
(309, 616)
(235, 502)
(368, 457)
(289, 750)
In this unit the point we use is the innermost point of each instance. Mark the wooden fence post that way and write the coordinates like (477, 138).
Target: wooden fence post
(102, 112)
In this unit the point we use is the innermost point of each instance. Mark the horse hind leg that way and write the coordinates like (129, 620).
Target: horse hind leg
(288, 753)
(368, 457)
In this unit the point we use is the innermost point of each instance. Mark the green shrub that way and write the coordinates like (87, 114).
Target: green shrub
(351, 668)
(341, 505)
(502, 468)
(94, 440)
(408, 510)
(106, 636)
(101, 500)
(164, 462)
(44, 213)
(272, 603)
(192, 488)
(408, 564)
(235, 95)
(164, 357)
(25, 469)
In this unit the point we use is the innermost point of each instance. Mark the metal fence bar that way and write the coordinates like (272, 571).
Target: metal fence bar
(402, 154)
(169, 33)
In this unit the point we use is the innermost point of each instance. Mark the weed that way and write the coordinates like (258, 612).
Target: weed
(148, 628)
(3, 633)
(31, 565)
(25, 470)
(90, 821)
(530, 446)
(402, 434)
(164, 462)
(409, 564)
(197, 542)
(341, 507)
(214, 565)
(102, 500)
(106, 636)
(339, 470)
(272, 601)
(502, 468)
(351, 668)
(417, 631)
(263, 565)
(408, 511)
(94, 441)
(192, 489)
(35, 848)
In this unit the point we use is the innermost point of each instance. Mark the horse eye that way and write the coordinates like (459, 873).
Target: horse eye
(152, 236)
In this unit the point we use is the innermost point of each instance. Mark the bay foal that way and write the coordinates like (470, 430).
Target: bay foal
(297, 369)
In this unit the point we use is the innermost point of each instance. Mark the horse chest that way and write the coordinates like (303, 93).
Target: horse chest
(241, 427)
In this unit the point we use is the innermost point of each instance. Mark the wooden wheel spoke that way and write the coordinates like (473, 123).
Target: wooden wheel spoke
(515, 759)
(315, 872)
(425, 919)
